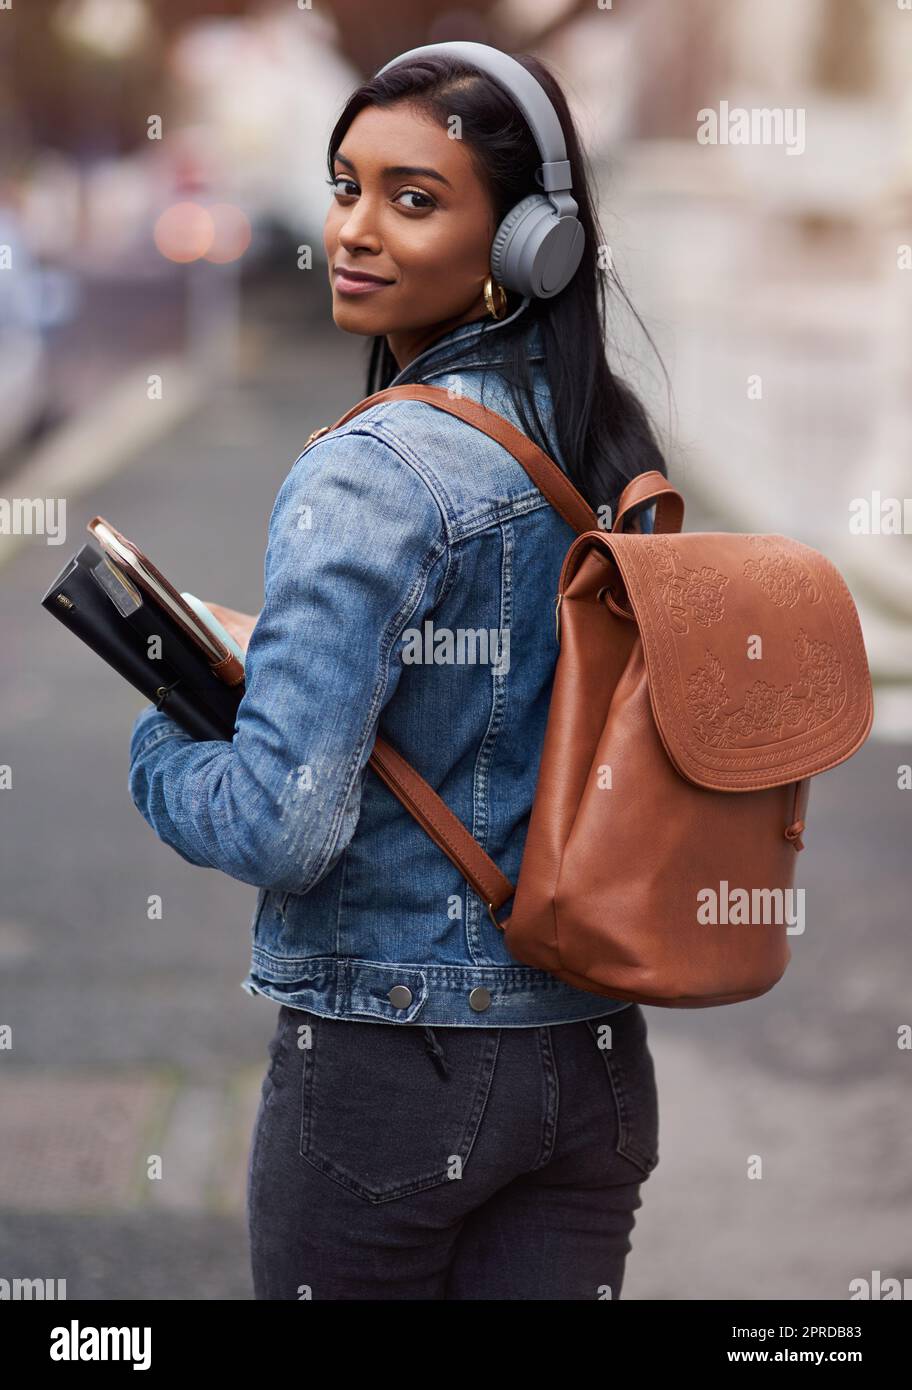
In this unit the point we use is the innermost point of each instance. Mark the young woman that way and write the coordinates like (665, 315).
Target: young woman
(437, 1120)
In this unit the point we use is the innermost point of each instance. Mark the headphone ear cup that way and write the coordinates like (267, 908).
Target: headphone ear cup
(508, 264)
(534, 251)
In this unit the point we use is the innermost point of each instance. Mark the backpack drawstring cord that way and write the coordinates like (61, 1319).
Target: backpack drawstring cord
(436, 1052)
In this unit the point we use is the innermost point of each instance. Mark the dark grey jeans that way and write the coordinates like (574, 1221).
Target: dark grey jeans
(393, 1161)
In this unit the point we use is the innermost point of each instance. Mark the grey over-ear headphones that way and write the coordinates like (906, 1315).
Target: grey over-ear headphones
(539, 244)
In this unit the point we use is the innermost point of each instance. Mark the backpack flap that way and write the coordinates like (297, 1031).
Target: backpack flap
(754, 654)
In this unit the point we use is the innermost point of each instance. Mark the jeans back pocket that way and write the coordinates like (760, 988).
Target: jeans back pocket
(631, 1074)
(378, 1114)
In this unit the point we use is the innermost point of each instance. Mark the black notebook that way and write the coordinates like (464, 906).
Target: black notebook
(165, 643)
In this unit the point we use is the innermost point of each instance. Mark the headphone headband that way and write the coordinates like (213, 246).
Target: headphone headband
(525, 90)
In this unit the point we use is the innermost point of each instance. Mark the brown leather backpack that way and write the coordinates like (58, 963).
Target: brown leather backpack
(701, 681)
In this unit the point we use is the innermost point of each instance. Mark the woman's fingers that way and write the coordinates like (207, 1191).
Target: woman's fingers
(240, 625)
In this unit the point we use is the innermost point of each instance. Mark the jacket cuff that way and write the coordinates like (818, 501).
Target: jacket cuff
(151, 726)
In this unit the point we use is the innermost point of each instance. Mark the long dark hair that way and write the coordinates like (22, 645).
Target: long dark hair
(603, 431)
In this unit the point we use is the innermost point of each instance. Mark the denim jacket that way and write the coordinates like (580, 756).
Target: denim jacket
(410, 574)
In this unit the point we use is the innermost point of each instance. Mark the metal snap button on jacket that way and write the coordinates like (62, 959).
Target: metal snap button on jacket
(400, 996)
(480, 999)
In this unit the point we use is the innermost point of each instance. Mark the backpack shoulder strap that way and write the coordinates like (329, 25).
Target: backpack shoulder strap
(550, 480)
(445, 829)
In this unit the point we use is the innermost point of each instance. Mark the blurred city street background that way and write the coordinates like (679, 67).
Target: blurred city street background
(126, 257)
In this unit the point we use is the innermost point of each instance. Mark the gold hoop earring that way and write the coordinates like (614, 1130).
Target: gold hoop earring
(498, 310)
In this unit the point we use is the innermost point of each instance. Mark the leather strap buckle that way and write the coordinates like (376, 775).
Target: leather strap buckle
(493, 918)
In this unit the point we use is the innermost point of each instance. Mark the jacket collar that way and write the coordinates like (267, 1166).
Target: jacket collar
(473, 344)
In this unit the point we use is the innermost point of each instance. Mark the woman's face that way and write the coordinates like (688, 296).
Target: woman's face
(409, 207)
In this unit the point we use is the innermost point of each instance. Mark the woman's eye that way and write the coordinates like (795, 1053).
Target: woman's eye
(426, 201)
(341, 178)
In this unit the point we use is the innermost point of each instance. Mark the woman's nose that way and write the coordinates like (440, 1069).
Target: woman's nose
(357, 228)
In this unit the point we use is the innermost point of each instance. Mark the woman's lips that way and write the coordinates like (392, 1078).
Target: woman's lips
(347, 284)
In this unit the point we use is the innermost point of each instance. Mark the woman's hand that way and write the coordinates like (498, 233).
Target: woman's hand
(240, 625)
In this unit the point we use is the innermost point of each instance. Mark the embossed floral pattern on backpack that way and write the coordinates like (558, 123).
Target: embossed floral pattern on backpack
(817, 693)
(697, 595)
(781, 576)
